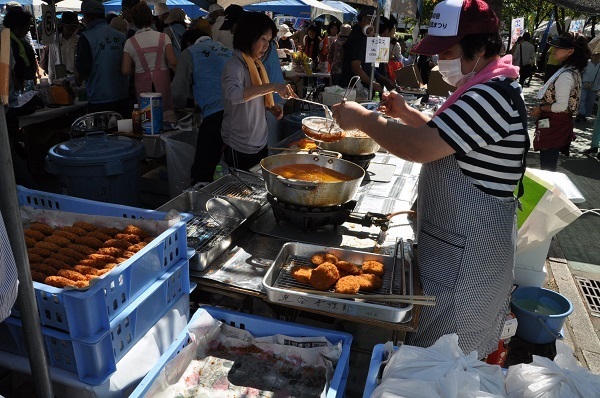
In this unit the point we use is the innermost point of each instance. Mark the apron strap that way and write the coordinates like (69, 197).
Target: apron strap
(159, 51)
(140, 53)
(518, 101)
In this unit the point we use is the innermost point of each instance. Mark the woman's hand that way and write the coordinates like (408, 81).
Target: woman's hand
(349, 115)
(276, 111)
(284, 90)
(535, 112)
(393, 104)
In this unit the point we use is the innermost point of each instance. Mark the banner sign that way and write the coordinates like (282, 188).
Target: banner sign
(48, 19)
(577, 26)
(378, 49)
(517, 28)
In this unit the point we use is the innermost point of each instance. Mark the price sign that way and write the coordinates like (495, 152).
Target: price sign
(378, 49)
(47, 25)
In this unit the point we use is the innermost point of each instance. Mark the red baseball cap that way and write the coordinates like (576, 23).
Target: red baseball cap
(454, 19)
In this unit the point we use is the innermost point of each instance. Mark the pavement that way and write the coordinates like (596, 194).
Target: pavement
(575, 251)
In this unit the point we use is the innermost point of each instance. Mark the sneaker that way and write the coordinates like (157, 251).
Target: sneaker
(590, 151)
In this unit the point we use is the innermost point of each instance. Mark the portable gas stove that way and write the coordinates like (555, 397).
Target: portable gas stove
(323, 225)
(361, 160)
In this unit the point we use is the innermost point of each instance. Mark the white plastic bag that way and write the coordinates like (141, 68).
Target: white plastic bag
(561, 378)
(444, 366)
(181, 152)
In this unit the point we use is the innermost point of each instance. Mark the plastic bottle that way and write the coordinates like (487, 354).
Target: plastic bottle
(44, 90)
(136, 120)
(218, 172)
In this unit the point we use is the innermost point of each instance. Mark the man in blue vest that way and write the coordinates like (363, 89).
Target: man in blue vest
(198, 76)
(98, 63)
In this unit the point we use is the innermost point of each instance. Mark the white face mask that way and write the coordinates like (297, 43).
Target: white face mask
(451, 71)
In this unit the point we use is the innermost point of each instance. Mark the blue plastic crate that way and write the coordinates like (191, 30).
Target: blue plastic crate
(374, 368)
(88, 313)
(259, 327)
(95, 360)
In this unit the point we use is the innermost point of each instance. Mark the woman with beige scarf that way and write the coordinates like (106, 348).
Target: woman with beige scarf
(247, 92)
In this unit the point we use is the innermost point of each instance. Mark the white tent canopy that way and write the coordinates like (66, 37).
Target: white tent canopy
(69, 5)
(296, 8)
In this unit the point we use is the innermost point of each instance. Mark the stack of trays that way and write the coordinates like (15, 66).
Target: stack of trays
(87, 332)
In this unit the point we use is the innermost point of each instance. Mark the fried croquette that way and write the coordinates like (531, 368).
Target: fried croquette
(347, 285)
(58, 240)
(121, 260)
(59, 281)
(110, 266)
(72, 275)
(69, 252)
(109, 231)
(324, 276)
(129, 238)
(74, 230)
(92, 263)
(301, 273)
(86, 269)
(89, 241)
(373, 267)
(99, 235)
(120, 243)
(132, 229)
(81, 249)
(82, 284)
(39, 251)
(65, 259)
(84, 225)
(43, 228)
(321, 258)
(48, 246)
(35, 258)
(127, 254)
(29, 241)
(348, 267)
(149, 239)
(104, 271)
(37, 235)
(43, 268)
(38, 276)
(105, 258)
(137, 247)
(66, 234)
(369, 282)
(55, 263)
(110, 251)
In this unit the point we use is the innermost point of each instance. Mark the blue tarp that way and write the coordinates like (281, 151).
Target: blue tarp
(349, 11)
(191, 9)
(308, 9)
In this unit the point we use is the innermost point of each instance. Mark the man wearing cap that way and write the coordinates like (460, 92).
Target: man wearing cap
(473, 154)
(524, 58)
(355, 51)
(198, 76)
(161, 14)
(223, 29)
(68, 39)
(98, 62)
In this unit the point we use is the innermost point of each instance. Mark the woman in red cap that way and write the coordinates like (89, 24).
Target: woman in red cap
(473, 154)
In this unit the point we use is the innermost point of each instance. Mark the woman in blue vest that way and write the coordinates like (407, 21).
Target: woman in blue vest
(247, 92)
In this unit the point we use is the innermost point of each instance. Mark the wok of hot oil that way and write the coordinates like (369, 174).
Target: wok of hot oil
(311, 173)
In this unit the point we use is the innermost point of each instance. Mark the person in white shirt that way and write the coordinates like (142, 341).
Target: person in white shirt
(589, 87)
(224, 27)
(68, 45)
(524, 57)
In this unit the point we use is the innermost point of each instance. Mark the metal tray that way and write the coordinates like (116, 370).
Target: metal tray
(278, 281)
(229, 187)
(206, 236)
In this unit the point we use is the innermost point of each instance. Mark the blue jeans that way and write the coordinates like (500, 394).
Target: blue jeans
(586, 103)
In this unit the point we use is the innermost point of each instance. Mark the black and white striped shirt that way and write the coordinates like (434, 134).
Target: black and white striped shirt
(487, 133)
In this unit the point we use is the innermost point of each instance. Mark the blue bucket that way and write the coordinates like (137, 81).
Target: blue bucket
(540, 312)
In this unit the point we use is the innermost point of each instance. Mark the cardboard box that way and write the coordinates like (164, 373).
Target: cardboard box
(437, 86)
(409, 76)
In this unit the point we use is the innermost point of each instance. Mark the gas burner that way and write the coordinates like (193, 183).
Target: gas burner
(310, 218)
(361, 160)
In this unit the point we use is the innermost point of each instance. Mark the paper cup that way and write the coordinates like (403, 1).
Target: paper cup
(125, 126)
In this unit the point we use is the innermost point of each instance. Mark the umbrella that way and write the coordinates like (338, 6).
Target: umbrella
(296, 8)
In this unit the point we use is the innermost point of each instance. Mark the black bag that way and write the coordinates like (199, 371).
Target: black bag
(34, 103)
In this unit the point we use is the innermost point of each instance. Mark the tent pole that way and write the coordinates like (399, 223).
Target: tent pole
(32, 329)
(373, 64)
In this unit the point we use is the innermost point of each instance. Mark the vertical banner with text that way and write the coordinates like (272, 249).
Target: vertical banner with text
(517, 28)
(48, 19)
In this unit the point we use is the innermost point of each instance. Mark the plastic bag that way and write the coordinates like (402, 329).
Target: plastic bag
(444, 366)
(561, 378)
(180, 147)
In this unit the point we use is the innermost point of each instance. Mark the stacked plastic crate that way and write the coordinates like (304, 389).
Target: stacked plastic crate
(87, 332)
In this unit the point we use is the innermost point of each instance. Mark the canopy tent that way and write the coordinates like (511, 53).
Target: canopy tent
(554, 31)
(68, 5)
(349, 11)
(297, 8)
(191, 9)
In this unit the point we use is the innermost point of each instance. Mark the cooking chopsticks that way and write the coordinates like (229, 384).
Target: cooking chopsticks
(390, 298)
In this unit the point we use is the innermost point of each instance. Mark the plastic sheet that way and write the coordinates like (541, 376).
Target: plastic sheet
(180, 147)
